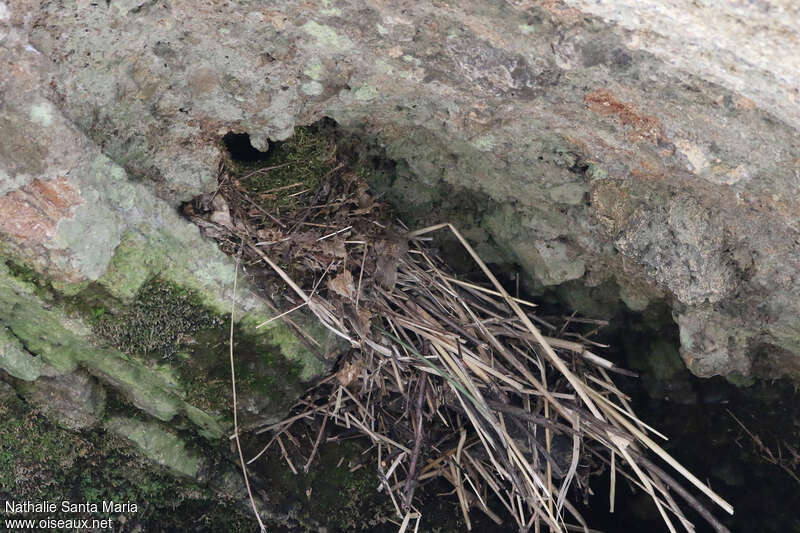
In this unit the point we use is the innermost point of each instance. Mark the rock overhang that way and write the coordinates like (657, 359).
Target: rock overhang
(599, 157)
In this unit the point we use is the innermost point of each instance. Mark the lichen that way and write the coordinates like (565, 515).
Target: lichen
(366, 93)
(42, 113)
(326, 37)
(312, 88)
(314, 70)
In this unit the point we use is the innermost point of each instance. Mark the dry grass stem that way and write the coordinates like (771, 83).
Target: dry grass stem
(448, 378)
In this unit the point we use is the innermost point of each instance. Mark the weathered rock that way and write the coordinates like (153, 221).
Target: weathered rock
(622, 152)
(17, 361)
(158, 444)
(664, 375)
(76, 401)
(41, 341)
(652, 161)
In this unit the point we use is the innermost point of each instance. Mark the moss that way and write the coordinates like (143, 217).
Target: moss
(26, 274)
(329, 493)
(133, 263)
(170, 327)
(181, 256)
(40, 331)
(159, 322)
(40, 461)
(266, 381)
(339, 491)
(146, 389)
(305, 158)
(16, 360)
(164, 351)
(165, 321)
(63, 344)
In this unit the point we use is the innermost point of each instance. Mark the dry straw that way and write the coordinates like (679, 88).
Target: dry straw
(448, 379)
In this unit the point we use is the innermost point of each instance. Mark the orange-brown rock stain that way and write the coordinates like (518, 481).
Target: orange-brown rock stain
(30, 214)
(642, 127)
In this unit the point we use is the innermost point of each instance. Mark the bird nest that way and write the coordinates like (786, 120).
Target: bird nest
(448, 378)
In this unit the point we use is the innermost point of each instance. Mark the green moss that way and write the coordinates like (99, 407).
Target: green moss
(26, 274)
(16, 360)
(181, 256)
(157, 444)
(40, 461)
(266, 380)
(339, 491)
(133, 263)
(330, 493)
(305, 158)
(159, 322)
(169, 326)
(39, 331)
(147, 390)
(164, 351)
(165, 321)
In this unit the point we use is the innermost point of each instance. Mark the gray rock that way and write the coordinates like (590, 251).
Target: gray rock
(159, 445)
(645, 139)
(75, 401)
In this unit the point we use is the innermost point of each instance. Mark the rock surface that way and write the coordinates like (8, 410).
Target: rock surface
(653, 144)
(650, 145)
(619, 151)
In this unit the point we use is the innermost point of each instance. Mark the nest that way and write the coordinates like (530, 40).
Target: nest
(448, 379)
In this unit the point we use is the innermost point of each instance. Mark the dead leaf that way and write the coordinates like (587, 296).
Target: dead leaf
(365, 317)
(334, 247)
(343, 285)
(389, 251)
(359, 319)
(349, 372)
(269, 235)
(363, 210)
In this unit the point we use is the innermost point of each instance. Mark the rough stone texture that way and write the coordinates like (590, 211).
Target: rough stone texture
(62, 347)
(755, 43)
(653, 144)
(159, 445)
(18, 362)
(76, 400)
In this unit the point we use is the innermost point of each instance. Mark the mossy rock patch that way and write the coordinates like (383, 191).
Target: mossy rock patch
(40, 461)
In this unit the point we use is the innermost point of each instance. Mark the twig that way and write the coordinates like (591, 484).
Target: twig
(263, 170)
(411, 481)
(316, 444)
(295, 308)
(235, 406)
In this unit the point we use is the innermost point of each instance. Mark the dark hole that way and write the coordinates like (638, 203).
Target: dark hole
(238, 145)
